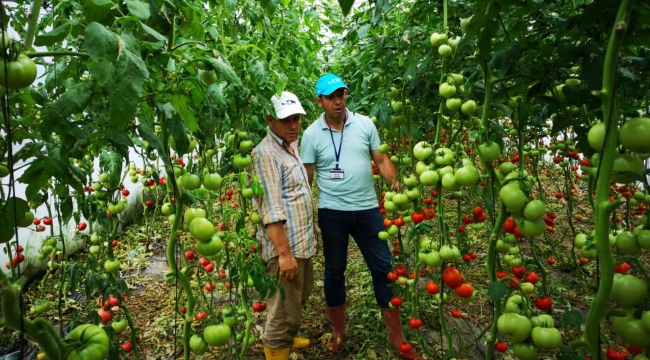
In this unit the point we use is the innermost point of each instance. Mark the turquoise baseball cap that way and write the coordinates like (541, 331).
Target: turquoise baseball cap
(329, 83)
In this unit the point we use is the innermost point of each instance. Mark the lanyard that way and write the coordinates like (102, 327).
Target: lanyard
(337, 154)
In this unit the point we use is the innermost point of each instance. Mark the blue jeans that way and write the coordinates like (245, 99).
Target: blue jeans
(336, 227)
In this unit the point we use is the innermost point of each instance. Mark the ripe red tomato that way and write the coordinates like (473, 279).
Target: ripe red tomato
(616, 353)
(464, 290)
(388, 222)
(417, 217)
(432, 288)
(472, 255)
(622, 268)
(392, 276)
(477, 211)
(531, 277)
(467, 258)
(200, 316)
(481, 218)
(502, 274)
(258, 307)
(396, 301)
(452, 277)
(125, 192)
(183, 310)
(149, 203)
(209, 287)
(550, 261)
(114, 243)
(513, 283)
(37, 222)
(456, 313)
(229, 192)
(415, 323)
(399, 222)
(19, 249)
(429, 213)
(127, 346)
(104, 315)
(189, 255)
(462, 229)
(210, 267)
(82, 226)
(467, 220)
(404, 347)
(400, 269)
(113, 301)
(543, 303)
(203, 261)
(518, 270)
(47, 221)
(501, 346)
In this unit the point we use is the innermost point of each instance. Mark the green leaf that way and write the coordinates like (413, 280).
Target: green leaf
(178, 131)
(73, 101)
(111, 162)
(187, 198)
(138, 9)
(130, 74)
(572, 318)
(223, 69)
(153, 33)
(497, 290)
(280, 82)
(100, 42)
(103, 72)
(180, 104)
(55, 36)
(66, 207)
(35, 173)
(147, 133)
(96, 10)
(120, 141)
(13, 210)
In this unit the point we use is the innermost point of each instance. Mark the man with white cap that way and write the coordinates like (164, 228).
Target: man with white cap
(339, 147)
(286, 235)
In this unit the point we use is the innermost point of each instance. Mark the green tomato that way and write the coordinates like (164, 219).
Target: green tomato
(112, 265)
(210, 247)
(447, 90)
(449, 253)
(506, 168)
(466, 176)
(630, 329)
(643, 239)
(514, 327)
(246, 145)
(627, 163)
(208, 77)
(546, 338)
(634, 134)
(422, 150)
(190, 181)
(627, 243)
(383, 235)
(119, 326)
(444, 157)
(534, 210)
(543, 320)
(433, 258)
(211, 182)
(383, 148)
(525, 351)
(532, 228)
(628, 290)
(489, 152)
(513, 197)
(191, 214)
(453, 104)
(198, 345)
(449, 182)
(400, 199)
(19, 73)
(90, 343)
(468, 107)
(580, 240)
(445, 50)
(410, 180)
(217, 335)
(202, 229)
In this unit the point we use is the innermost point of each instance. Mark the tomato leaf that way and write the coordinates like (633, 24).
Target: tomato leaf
(572, 318)
(156, 35)
(111, 162)
(138, 9)
(146, 132)
(101, 43)
(74, 100)
(187, 198)
(130, 74)
(177, 131)
(55, 36)
(96, 10)
(223, 69)
(180, 104)
(66, 207)
(120, 141)
(497, 291)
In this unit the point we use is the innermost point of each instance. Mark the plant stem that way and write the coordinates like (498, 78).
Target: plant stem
(32, 22)
(603, 206)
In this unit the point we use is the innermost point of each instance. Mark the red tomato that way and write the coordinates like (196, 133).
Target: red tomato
(622, 268)
(417, 217)
(189, 255)
(210, 267)
(396, 301)
(82, 226)
(532, 277)
(47, 221)
(616, 353)
(203, 261)
(452, 277)
(501, 346)
(200, 316)
(415, 323)
(518, 271)
(456, 313)
(543, 303)
(37, 221)
(125, 192)
(550, 261)
(464, 290)
(400, 269)
(392, 276)
(477, 211)
(127, 346)
(432, 288)
(404, 347)
(502, 274)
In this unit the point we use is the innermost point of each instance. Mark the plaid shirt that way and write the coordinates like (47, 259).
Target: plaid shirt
(287, 197)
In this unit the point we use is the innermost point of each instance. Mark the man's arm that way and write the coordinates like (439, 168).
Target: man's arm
(310, 172)
(386, 168)
(286, 261)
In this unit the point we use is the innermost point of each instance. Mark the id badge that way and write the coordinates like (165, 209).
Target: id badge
(336, 174)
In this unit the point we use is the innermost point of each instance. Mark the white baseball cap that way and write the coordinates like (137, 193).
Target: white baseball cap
(286, 105)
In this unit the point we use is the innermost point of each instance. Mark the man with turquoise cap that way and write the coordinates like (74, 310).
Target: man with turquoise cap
(340, 147)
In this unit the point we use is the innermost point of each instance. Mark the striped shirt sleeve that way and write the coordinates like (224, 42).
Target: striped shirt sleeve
(269, 172)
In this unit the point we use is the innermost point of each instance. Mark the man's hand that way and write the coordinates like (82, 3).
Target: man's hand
(288, 266)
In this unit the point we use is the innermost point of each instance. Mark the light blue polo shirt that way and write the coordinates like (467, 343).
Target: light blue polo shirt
(356, 190)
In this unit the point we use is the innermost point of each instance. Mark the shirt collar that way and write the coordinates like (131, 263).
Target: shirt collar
(279, 141)
(324, 125)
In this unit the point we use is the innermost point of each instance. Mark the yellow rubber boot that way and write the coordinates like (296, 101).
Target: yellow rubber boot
(300, 343)
(277, 354)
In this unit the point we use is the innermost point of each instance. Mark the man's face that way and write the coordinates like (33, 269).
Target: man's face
(333, 104)
(287, 129)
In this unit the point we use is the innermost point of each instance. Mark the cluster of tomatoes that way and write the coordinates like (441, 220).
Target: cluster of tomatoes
(40, 223)
(18, 258)
(479, 217)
